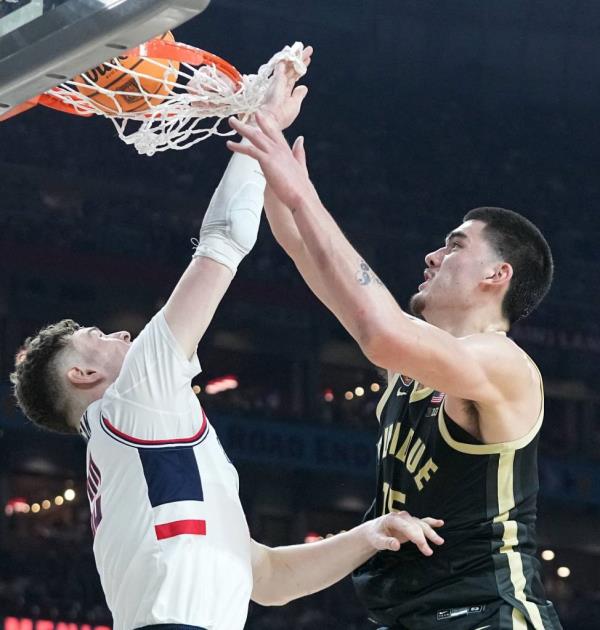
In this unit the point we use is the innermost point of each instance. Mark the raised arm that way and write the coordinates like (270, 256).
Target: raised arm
(228, 233)
(286, 233)
(282, 574)
(390, 338)
(230, 225)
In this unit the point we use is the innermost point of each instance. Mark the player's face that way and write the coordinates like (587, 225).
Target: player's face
(102, 352)
(454, 273)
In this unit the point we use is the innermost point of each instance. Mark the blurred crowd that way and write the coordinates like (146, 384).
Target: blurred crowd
(387, 199)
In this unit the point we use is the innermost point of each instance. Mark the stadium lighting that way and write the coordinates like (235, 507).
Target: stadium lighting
(69, 494)
(221, 384)
(548, 554)
(16, 505)
(563, 572)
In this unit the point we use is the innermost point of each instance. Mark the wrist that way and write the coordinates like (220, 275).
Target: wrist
(306, 200)
(221, 250)
(363, 539)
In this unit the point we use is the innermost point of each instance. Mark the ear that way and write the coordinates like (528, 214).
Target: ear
(499, 275)
(84, 378)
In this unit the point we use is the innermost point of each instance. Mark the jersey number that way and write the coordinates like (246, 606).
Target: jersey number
(393, 500)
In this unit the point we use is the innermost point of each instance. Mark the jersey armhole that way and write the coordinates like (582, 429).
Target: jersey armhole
(388, 392)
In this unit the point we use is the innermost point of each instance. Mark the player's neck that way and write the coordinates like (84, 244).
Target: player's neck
(83, 400)
(461, 323)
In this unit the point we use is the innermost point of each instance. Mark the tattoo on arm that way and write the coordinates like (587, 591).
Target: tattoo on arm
(365, 275)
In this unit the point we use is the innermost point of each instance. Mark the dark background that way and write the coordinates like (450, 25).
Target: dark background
(417, 111)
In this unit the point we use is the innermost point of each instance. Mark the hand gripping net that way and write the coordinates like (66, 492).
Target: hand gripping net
(204, 91)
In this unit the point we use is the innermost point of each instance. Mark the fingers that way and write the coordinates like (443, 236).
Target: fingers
(417, 536)
(430, 533)
(393, 544)
(245, 149)
(299, 93)
(268, 126)
(434, 522)
(299, 152)
(418, 531)
(280, 77)
(251, 133)
(307, 55)
(408, 529)
(297, 96)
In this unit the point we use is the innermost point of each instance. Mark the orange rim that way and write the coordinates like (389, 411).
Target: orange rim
(157, 48)
(49, 100)
(175, 51)
(19, 109)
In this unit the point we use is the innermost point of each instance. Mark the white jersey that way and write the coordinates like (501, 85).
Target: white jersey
(171, 540)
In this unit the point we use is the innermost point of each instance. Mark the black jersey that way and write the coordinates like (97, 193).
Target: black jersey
(486, 494)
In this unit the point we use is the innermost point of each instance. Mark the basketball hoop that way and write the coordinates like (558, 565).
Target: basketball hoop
(196, 86)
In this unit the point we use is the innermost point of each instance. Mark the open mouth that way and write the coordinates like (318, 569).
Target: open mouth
(428, 276)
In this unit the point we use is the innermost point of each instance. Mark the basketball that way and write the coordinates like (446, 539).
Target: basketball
(153, 77)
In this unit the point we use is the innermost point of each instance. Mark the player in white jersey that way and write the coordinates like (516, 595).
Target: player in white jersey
(163, 494)
(170, 538)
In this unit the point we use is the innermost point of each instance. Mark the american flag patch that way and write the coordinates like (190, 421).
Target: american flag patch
(437, 398)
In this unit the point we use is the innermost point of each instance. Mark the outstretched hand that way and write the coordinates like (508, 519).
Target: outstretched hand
(389, 532)
(283, 100)
(284, 168)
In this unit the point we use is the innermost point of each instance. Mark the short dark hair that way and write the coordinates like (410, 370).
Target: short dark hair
(36, 382)
(520, 243)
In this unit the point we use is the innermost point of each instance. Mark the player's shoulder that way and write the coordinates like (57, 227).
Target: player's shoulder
(496, 345)
(504, 361)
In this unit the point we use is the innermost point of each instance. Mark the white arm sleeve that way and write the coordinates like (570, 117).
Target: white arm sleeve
(230, 226)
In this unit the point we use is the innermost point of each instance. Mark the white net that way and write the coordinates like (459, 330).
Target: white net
(187, 103)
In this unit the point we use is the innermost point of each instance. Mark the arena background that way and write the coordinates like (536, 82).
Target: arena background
(417, 111)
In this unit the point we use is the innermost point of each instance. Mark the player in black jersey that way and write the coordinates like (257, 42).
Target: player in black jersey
(460, 419)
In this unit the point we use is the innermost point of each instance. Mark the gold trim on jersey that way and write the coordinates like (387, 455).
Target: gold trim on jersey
(488, 449)
(498, 447)
(419, 394)
(506, 502)
(518, 620)
(388, 392)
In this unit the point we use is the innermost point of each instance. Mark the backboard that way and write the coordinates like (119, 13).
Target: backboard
(45, 42)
